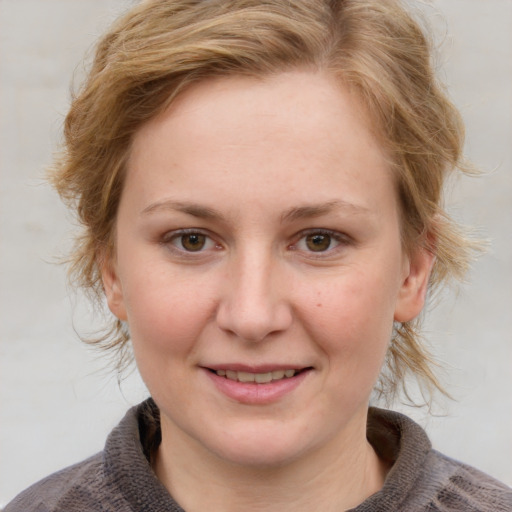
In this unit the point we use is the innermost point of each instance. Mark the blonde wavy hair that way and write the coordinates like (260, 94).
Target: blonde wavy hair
(160, 47)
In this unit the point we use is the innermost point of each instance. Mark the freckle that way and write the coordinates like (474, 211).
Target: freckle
(319, 305)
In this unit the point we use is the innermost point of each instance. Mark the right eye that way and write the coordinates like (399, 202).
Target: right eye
(193, 242)
(189, 241)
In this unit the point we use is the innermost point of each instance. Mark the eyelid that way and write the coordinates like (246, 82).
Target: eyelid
(170, 236)
(342, 240)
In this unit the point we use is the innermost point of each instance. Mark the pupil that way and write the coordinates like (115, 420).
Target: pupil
(318, 242)
(193, 242)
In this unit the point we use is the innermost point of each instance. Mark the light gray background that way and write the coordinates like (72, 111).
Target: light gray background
(58, 400)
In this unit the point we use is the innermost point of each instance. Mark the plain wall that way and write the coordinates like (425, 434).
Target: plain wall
(58, 399)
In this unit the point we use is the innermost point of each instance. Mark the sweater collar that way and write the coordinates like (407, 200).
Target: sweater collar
(127, 464)
(400, 441)
(395, 437)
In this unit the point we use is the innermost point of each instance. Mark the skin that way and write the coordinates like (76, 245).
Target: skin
(252, 168)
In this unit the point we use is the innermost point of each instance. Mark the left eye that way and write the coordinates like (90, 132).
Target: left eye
(318, 241)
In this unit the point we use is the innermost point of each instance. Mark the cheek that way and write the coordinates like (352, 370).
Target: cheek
(351, 318)
(166, 313)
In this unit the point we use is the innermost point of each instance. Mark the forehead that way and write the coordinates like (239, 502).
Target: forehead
(311, 101)
(299, 136)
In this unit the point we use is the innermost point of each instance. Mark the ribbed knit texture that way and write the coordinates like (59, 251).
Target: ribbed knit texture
(120, 478)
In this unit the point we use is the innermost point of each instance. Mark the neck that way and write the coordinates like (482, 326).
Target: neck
(338, 476)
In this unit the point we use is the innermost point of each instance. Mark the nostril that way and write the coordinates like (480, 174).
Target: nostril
(253, 321)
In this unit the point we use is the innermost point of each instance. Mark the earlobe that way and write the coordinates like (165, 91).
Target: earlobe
(413, 291)
(113, 289)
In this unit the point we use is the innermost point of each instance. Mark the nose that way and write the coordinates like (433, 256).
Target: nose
(254, 305)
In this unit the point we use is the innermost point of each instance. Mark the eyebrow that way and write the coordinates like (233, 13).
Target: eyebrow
(193, 209)
(293, 214)
(317, 210)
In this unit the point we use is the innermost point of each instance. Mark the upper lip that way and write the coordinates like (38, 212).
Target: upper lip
(260, 368)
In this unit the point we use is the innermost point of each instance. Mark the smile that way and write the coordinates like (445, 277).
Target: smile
(258, 378)
(258, 385)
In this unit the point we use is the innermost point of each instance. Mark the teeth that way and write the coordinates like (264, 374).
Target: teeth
(263, 378)
(246, 377)
(259, 378)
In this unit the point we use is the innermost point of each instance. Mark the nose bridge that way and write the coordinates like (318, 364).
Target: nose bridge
(254, 304)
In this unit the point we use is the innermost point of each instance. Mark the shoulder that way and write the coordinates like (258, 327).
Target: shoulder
(421, 478)
(117, 479)
(456, 486)
(77, 488)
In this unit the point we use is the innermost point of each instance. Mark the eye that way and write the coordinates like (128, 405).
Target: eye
(320, 241)
(189, 241)
(192, 242)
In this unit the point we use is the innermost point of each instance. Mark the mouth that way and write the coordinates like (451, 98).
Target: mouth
(259, 385)
(258, 378)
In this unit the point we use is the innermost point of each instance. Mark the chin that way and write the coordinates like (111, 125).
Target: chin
(260, 447)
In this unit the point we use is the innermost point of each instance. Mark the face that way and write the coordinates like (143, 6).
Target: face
(259, 266)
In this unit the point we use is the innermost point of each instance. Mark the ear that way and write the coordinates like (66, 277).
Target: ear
(413, 291)
(113, 287)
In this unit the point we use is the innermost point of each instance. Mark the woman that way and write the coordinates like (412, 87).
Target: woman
(259, 184)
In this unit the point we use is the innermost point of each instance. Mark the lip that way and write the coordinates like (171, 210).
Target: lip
(261, 368)
(252, 393)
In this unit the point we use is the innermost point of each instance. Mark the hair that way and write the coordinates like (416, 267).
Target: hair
(160, 47)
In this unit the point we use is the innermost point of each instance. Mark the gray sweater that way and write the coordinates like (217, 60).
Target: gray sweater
(120, 478)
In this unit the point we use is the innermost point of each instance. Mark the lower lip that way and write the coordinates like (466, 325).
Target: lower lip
(257, 394)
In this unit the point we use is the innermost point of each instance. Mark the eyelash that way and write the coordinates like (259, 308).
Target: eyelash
(175, 236)
(340, 240)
